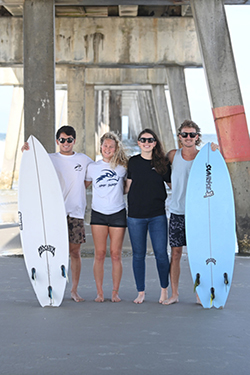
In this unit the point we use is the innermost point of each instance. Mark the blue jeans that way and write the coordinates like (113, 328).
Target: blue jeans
(158, 230)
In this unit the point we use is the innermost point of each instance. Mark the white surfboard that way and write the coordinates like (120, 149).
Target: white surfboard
(43, 225)
(210, 227)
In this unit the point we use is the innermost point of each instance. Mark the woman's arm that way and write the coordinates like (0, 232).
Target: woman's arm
(127, 184)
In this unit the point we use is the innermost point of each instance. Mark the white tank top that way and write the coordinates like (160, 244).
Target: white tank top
(179, 179)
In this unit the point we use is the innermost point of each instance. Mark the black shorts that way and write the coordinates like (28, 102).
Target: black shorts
(118, 219)
(177, 233)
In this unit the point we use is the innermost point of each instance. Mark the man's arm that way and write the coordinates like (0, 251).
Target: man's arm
(170, 155)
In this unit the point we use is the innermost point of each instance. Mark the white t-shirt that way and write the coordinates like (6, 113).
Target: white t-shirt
(107, 187)
(71, 171)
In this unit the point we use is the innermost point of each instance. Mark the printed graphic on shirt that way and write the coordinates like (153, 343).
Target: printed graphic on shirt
(78, 168)
(107, 178)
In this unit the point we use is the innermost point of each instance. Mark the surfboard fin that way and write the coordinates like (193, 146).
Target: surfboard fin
(212, 296)
(226, 282)
(64, 273)
(50, 294)
(197, 281)
(33, 274)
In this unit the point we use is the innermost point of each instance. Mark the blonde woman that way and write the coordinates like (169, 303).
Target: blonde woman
(108, 215)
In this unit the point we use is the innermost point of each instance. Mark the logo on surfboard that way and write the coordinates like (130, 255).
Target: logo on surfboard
(49, 248)
(211, 260)
(20, 219)
(209, 191)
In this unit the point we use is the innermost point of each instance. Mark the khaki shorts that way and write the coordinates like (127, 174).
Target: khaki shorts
(76, 230)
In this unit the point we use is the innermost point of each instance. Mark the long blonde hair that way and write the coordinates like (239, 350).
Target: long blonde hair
(120, 157)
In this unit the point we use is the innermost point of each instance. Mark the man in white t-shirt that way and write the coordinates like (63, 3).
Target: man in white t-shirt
(71, 170)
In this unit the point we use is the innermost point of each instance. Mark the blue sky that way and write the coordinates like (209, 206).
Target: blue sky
(239, 26)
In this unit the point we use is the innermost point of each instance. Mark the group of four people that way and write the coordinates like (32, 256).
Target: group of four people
(143, 178)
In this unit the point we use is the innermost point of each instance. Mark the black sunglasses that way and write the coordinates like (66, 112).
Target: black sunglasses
(63, 140)
(144, 140)
(191, 135)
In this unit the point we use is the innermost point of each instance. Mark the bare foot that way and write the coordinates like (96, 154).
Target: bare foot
(75, 296)
(171, 300)
(115, 297)
(140, 298)
(198, 301)
(164, 295)
(99, 298)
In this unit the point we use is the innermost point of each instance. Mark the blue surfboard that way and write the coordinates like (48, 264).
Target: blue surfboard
(210, 227)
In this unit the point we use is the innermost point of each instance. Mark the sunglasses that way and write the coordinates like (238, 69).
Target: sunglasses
(191, 135)
(144, 140)
(63, 140)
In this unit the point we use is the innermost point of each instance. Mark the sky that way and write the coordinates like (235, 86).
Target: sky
(238, 17)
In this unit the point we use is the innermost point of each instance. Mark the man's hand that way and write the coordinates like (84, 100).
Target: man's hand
(214, 146)
(25, 147)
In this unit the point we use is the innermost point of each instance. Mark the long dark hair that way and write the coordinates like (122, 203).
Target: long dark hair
(159, 160)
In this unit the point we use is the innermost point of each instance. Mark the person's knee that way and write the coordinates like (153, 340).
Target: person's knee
(116, 256)
(100, 256)
(176, 255)
(138, 256)
(75, 250)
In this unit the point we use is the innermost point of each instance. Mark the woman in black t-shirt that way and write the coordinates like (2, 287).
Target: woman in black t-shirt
(147, 173)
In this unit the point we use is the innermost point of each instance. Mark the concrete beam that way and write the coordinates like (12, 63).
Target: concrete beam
(162, 116)
(76, 105)
(90, 129)
(115, 111)
(112, 41)
(95, 76)
(39, 72)
(126, 76)
(178, 95)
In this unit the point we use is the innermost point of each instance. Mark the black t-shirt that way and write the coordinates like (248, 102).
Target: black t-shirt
(147, 193)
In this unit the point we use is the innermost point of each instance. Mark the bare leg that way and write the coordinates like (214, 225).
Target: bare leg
(140, 298)
(116, 239)
(198, 301)
(175, 270)
(75, 256)
(100, 234)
